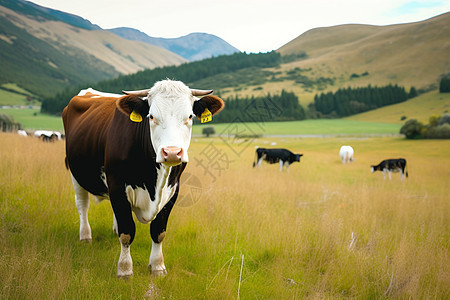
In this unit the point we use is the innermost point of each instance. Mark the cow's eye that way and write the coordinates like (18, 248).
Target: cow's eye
(190, 117)
(153, 119)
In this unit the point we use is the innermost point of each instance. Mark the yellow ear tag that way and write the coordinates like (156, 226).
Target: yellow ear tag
(206, 116)
(135, 117)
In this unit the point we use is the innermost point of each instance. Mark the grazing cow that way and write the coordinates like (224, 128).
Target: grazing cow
(391, 165)
(272, 156)
(132, 150)
(346, 154)
(47, 135)
(22, 132)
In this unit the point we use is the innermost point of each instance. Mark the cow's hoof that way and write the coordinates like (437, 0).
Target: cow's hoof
(158, 273)
(87, 241)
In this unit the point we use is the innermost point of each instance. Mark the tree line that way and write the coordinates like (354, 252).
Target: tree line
(188, 73)
(279, 107)
(350, 101)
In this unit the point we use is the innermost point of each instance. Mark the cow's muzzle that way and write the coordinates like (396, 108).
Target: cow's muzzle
(171, 155)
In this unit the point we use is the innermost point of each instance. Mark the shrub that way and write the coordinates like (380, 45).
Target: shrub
(439, 132)
(445, 119)
(433, 120)
(208, 131)
(412, 129)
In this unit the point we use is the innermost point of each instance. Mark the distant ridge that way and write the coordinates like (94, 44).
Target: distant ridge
(194, 46)
(410, 54)
(38, 12)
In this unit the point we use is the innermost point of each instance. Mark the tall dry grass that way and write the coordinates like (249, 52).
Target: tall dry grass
(323, 230)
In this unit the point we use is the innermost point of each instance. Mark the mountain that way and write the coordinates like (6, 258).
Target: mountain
(194, 46)
(43, 50)
(33, 10)
(412, 54)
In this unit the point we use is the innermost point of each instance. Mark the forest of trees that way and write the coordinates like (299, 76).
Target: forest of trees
(276, 107)
(188, 73)
(350, 101)
(282, 107)
(444, 85)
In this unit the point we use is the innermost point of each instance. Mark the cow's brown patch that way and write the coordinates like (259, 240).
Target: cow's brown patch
(161, 236)
(125, 239)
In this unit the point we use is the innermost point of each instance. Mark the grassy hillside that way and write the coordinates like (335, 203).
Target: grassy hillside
(44, 55)
(322, 231)
(419, 108)
(412, 54)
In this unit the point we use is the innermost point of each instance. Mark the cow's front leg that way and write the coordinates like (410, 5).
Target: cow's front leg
(281, 165)
(126, 231)
(259, 162)
(157, 233)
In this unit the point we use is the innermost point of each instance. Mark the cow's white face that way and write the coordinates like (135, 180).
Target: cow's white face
(170, 118)
(170, 107)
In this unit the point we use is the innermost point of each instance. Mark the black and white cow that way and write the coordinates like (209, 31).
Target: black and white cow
(272, 156)
(391, 165)
(132, 150)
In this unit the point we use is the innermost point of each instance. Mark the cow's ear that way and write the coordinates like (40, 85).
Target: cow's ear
(213, 103)
(129, 104)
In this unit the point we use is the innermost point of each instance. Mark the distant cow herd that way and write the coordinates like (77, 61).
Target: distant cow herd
(44, 135)
(286, 158)
(132, 150)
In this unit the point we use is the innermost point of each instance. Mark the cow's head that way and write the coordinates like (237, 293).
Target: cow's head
(170, 106)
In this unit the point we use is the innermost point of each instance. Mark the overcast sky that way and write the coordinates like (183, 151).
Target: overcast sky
(249, 25)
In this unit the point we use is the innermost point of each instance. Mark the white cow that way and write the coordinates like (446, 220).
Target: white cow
(346, 154)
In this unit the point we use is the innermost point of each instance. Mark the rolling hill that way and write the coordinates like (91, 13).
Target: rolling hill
(420, 108)
(326, 59)
(413, 54)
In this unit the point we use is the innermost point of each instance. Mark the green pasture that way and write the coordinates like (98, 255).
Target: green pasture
(33, 119)
(322, 231)
(306, 127)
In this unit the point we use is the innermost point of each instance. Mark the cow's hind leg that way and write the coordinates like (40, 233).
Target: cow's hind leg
(157, 233)
(82, 203)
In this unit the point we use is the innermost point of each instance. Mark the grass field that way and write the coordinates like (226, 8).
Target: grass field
(306, 127)
(420, 108)
(248, 234)
(33, 119)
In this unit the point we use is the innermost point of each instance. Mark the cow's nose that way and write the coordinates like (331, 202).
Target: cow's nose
(171, 154)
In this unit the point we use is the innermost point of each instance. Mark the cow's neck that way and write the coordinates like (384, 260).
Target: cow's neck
(163, 190)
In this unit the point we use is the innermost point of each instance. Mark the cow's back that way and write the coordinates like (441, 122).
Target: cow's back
(86, 122)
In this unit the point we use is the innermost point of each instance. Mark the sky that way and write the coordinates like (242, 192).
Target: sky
(249, 25)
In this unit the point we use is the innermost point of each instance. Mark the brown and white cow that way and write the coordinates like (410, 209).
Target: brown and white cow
(132, 150)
